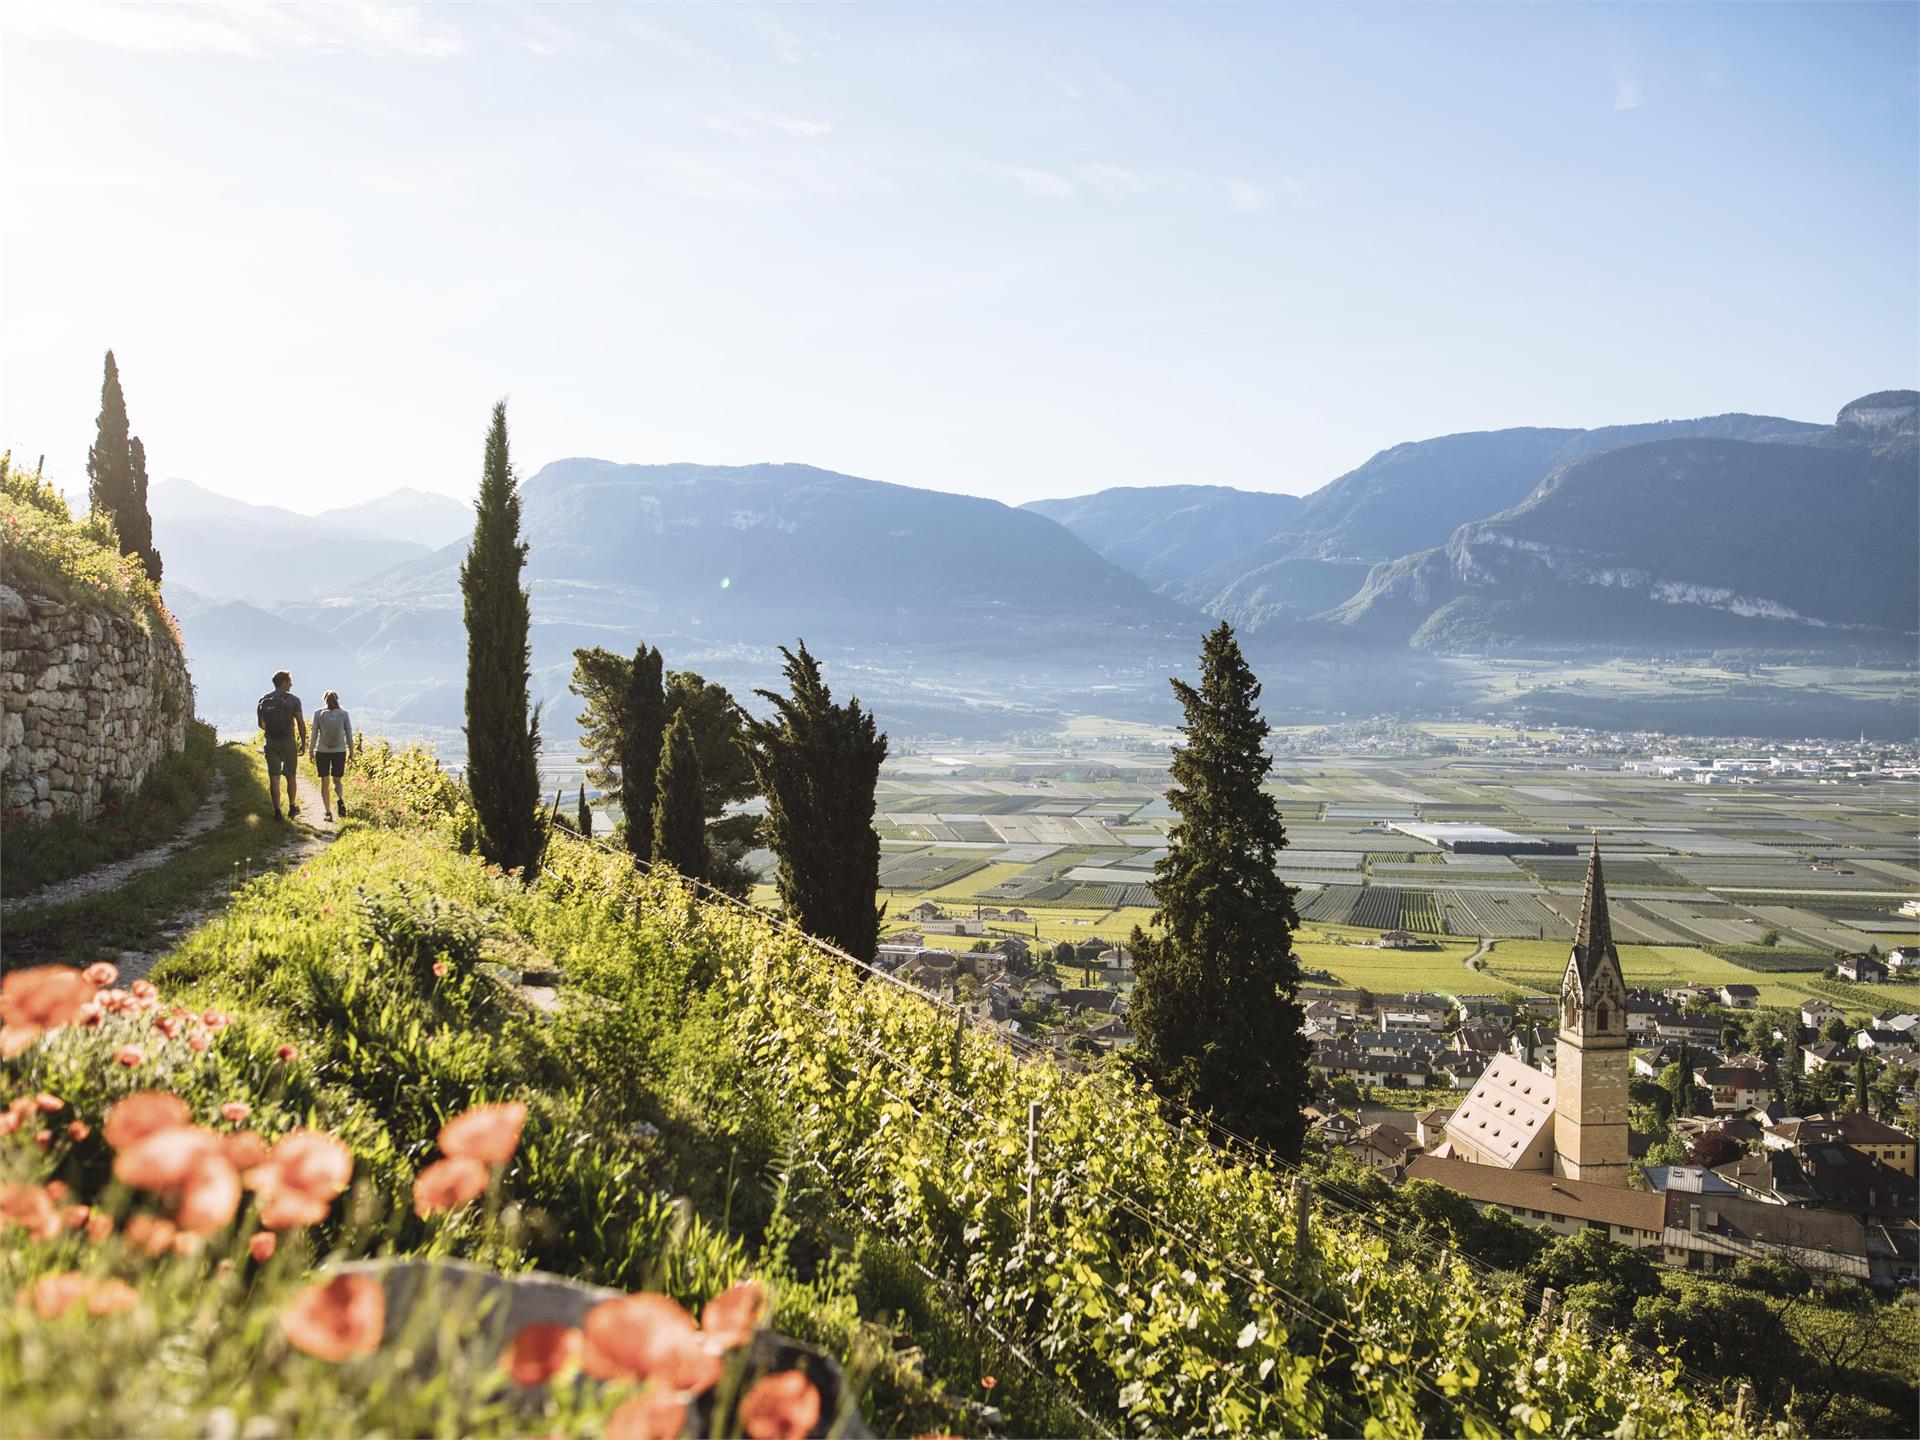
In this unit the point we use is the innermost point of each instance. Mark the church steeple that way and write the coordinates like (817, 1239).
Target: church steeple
(1593, 937)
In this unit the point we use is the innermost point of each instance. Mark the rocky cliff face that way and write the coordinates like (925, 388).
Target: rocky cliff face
(91, 701)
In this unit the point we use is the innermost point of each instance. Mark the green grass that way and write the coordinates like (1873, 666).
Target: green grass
(130, 917)
(50, 552)
(37, 853)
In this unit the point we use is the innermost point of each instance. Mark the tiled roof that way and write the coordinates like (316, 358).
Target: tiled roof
(1539, 1190)
(1508, 1108)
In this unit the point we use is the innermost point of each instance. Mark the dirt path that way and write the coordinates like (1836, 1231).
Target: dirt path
(1486, 949)
(117, 872)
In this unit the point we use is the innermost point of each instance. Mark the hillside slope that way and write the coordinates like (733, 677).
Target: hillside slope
(1679, 542)
(1166, 534)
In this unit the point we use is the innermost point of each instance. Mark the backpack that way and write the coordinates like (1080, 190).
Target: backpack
(275, 714)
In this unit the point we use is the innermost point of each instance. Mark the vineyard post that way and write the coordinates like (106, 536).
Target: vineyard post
(1549, 1300)
(1033, 1166)
(1302, 1208)
(1740, 1407)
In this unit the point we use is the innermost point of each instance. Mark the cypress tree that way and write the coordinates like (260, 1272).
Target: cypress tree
(583, 814)
(110, 460)
(136, 538)
(1219, 1028)
(643, 723)
(503, 737)
(818, 764)
(680, 804)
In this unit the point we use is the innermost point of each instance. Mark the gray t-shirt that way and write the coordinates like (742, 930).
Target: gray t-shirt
(332, 730)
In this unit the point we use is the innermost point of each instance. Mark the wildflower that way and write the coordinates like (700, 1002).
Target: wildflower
(648, 1337)
(150, 1234)
(338, 1319)
(245, 1149)
(262, 1245)
(987, 1382)
(448, 1184)
(100, 973)
(781, 1406)
(236, 1112)
(131, 1056)
(654, 1414)
(145, 991)
(44, 1139)
(53, 1295)
(30, 1207)
(78, 1130)
(730, 1318)
(199, 1042)
(299, 1178)
(490, 1133)
(439, 968)
(75, 1217)
(167, 1026)
(165, 1159)
(110, 1297)
(49, 1103)
(38, 999)
(215, 1019)
(141, 1114)
(286, 1052)
(99, 1226)
(540, 1352)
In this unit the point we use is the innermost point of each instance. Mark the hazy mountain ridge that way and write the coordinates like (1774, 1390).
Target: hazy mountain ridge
(1168, 533)
(1678, 542)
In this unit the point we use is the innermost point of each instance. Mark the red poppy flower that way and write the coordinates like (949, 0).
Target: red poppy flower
(167, 1026)
(199, 1042)
(131, 1056)
(338, 1319)
(286, 1052)
(439, 968)
(244, 1149)
(236, 1112)
(38, 999)
(165, 1159)
(731, 1317)
(49, 1103)
(656, 1413)
(448, 1184)
(75, 1217)
(99, 1226)
(211, 1197)
(54, 1295)
(489, 1133)
(140, 1115)
(781, 1406)
(262, 1245)
(144, 991)
(78, 1130)
(30, 1207)
(300, 1178)
(540, 1352)
(110, 1297)
(150, 1234)
(649, 1337)
(100, 973)
(987, 1382)
(215, 1019)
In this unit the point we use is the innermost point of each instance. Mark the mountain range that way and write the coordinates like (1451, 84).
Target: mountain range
(956, 614)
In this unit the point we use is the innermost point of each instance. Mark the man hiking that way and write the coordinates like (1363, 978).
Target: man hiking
(332, 742)
(281, 721)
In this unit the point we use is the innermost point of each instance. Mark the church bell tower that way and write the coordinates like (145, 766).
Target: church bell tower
(1590, 1068)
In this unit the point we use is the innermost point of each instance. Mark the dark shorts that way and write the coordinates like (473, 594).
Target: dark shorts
(330, 762)
(283, 758)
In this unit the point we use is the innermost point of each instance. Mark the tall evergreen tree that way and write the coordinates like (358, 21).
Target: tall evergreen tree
(643, 728)
(1219, 1028)
(503, 736)
(117, 474)
(680, 804)
(818, 764)
(583, 814)
(1679, 1080)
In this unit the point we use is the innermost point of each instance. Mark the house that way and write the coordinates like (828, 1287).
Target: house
(1816, 1013)
(1405, 940)
(1333, 1062)
(1101, 1002)
(1431, 1125)
(1773, 1177)
(1110, 1033)
(955, 926)
(1737, 1087)
(1117, 957)
(1695, 1030)
(1319, 1017)
(1040, 988)
(1385, 1147)
(1861, 969)
(1740, 997)
(1460, 1071)
(1829, 1052)
(1886, 1143)
(1346, 1001)
(1689, 1179)
(1474, 1007)
(1479, 1037)
(1714, 1232)
(1411, 1012)
(926, 910)
(1546, 1201)
(1880, 1040)
(1018, 916)
(1506, 1121)
(1904, 961)
(1645, 1011)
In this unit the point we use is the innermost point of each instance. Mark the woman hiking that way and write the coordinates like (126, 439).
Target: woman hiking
(332, 740)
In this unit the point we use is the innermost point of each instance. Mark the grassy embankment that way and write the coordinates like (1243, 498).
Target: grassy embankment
(713, 1096)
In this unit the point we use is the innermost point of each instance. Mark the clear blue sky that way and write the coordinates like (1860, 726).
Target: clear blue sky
(1015, 251)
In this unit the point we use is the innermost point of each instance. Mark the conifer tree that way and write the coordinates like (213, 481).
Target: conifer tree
(818, 764)
(117, 474)
(583, 814)
(680, 804)
(503, 736)
(643, 724)
(136, 536)
(1214, 1009)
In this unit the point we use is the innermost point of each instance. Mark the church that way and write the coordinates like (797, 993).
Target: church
(1572, 1123)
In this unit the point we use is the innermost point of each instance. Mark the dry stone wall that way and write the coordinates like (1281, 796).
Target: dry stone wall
(90, 701)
